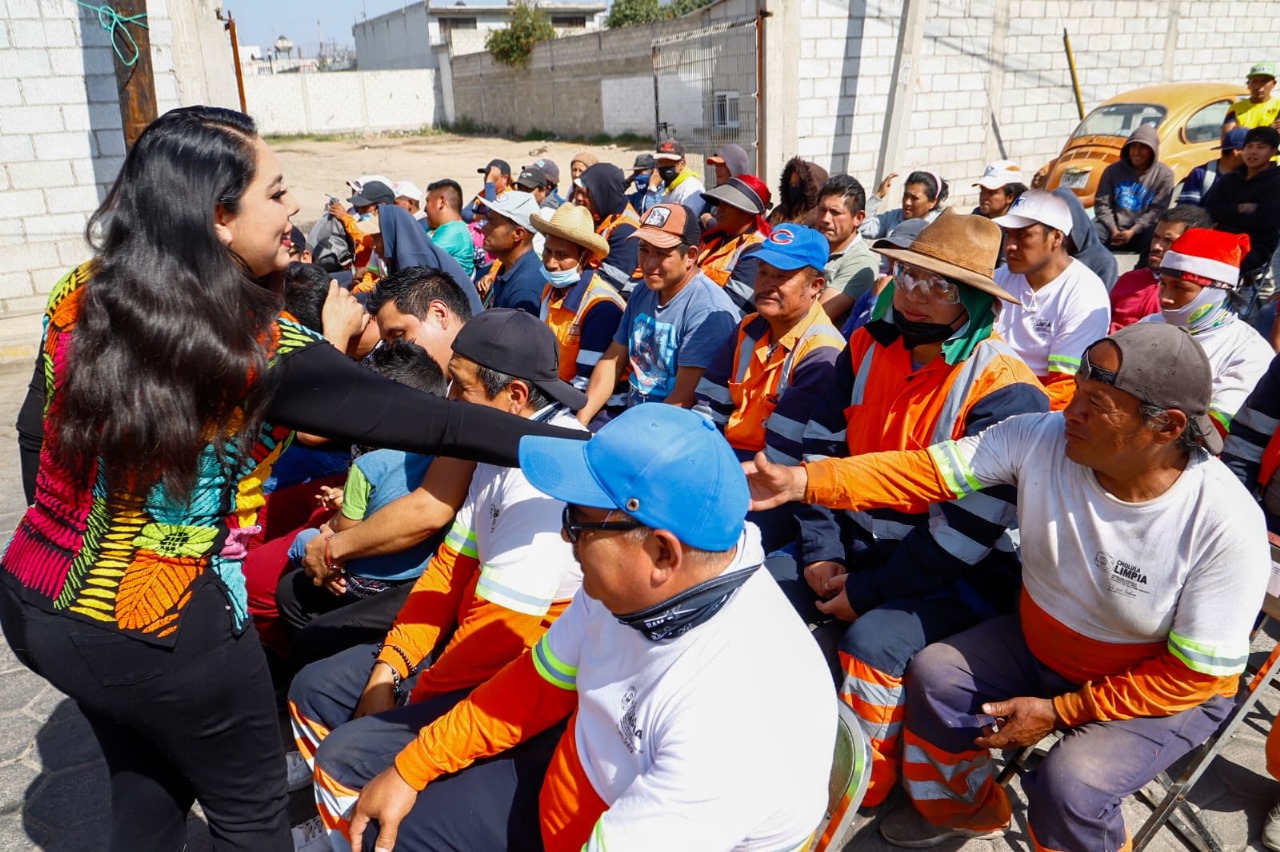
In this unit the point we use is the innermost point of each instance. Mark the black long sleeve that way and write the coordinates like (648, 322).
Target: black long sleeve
(30, 428)
(325, 392)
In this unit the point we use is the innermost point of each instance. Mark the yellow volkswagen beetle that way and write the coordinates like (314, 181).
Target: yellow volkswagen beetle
(1187, 118)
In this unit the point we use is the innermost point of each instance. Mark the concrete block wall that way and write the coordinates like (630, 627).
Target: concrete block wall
(344, 101)
(991, 79)
(562, 91)
(61, 143)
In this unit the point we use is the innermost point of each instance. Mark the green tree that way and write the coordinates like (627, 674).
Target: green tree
(527, 26)
(626, 13)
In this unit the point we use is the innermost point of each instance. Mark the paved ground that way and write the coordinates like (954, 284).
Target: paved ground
(53, 784)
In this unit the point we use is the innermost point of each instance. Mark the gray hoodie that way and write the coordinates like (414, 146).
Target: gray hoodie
(1128, 198)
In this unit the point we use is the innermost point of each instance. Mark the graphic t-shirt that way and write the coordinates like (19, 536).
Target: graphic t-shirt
(688, 331)
(1250, 115)
(1054, 325)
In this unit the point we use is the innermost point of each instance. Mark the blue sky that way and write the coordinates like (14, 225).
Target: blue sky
(260, 22)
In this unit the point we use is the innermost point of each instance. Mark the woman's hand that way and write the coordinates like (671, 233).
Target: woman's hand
(342, 317)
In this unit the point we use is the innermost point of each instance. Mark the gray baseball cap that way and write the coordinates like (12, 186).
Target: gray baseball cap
(1162, 365)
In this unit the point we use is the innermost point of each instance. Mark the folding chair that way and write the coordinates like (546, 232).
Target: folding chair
(850, 774)
(1172, 806)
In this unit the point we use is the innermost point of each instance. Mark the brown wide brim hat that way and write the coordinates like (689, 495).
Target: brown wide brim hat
(573, 223)
(957, 246)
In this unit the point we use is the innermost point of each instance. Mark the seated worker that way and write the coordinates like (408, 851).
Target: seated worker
(502, 575)
(446, 228)
(402, 244)
(508, 236)
(645, 674)
(497, 180)
(1000, 185)
(851, 267)
(1199, 274)
(672, 327)
(1083, 243)
(648, 186)
(1203, 177)
(362, 227)
(602, 189)
(422, 306)
(578, 304)
(1132, 194)
(762, 386)
(1144, 564)
(1137, 292)
(1252, 451)
(1059, 304)
(737, 227)
(929, 367)
(922, 197)
(359, 604)
(1247, 201)
(409, 199)
(681, 184)
(551, 200)
(1260, 109)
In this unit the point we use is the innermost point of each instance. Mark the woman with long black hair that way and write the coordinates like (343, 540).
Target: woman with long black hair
(171, 382)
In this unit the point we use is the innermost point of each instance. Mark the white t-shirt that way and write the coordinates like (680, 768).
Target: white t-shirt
(1055, 324)
(1194, 561)
(689, 191)
(717, 739)
(1239, 356)
(515, 530)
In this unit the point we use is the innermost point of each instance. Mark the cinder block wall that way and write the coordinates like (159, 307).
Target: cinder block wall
(61, 143)
(344, 102)
(992, 75)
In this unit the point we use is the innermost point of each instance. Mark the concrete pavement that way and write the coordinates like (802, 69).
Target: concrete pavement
(54, 790)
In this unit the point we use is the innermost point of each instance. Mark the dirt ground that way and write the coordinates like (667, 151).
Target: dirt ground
(314, 170)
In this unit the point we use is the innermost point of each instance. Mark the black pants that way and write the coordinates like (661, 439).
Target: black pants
(196, 721)
(322, 624)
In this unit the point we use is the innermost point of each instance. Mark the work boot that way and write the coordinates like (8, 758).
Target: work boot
(1271, 828)
(905, 827)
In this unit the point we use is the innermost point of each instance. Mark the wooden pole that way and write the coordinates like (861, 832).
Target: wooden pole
(1075, 80)
(235, 58)
(136, 83)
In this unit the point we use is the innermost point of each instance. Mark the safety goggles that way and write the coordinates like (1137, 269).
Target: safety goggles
(920, 283)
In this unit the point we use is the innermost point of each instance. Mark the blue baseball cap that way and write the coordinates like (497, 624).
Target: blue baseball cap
(1233, 139)
(793, 247)
(666, 467)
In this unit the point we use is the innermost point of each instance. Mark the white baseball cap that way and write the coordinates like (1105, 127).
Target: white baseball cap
(1000, 174)
(407, 189)
(1037, 206)
(516, 206)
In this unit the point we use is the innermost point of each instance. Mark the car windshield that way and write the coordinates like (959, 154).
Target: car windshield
(1119, 120)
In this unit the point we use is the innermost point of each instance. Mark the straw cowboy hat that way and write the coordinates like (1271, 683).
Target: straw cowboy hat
(957, 246)
(573, 223)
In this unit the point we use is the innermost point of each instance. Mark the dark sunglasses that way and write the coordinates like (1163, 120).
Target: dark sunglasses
(573, 529)
(1089, 371)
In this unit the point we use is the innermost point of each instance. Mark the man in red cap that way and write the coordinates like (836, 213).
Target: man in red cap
(1199, 275)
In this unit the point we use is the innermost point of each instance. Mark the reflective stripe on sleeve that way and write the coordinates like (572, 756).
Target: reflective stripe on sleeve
(1207, 659)
(955, 470)
(553, 670)
(462, 540)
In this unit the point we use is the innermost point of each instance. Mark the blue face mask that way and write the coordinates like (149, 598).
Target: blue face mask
(641, 182)
(567, 278)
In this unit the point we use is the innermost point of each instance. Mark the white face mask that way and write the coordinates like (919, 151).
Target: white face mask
(1198, 314)
(565, 278)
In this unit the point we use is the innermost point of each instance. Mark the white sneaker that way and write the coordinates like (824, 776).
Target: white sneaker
(311, 836)
(299, 773)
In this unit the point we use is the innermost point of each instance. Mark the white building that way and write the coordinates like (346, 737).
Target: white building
(404, 38)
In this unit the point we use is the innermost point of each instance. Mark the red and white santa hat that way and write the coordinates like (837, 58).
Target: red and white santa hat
(1206, 257)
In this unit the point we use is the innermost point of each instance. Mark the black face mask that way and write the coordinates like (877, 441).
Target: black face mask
(795, 195)
(919, 333)
(668, 173)
(678, 615)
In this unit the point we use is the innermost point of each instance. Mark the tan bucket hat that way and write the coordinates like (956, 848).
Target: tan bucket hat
(573, 223)
(958, 246)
